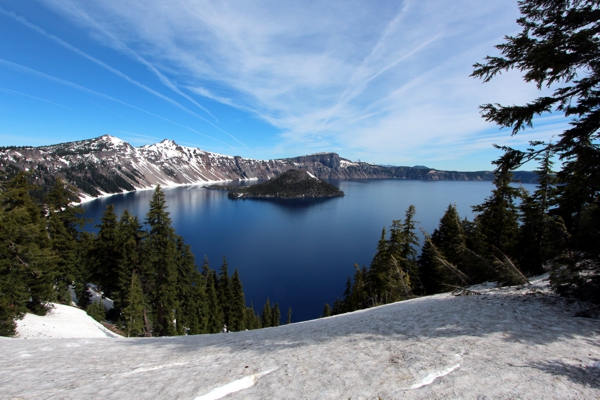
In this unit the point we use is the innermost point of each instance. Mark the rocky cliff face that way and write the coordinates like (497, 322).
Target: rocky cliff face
(109, 165)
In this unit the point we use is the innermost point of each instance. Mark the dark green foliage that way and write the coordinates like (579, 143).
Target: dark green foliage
(275, 315)
(151, 275)
(289, 316)
(215, 315)
(106, 253)
(224, 293)
(326, 311)
(63, 227)
(133, 308)
(271, 315)
(161, 253)
(97, 311)
(392, 275)
(558, 47)
(27, 262)
(237, 309)
(497, 217)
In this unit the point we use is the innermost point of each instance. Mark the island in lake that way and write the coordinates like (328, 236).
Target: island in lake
(292, 184)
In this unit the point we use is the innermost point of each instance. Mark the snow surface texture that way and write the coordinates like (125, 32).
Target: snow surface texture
(62, 322)
(519, 342)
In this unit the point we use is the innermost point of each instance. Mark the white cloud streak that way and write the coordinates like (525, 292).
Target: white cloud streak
(163, 79)
(24, 69)
(385, 79)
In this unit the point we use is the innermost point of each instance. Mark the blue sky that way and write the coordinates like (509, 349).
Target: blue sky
(381, 81)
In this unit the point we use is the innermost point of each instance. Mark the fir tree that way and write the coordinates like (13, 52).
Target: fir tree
(497, 217)
(267, 315)
(326, 310)
(129, 241)
(161, 250)
(238, 304)
(558, 48)
(133, 308)
(215, 316)
(289, 316)
(224, 292)
(275, 315)
(97, 310)
(64, 225)
(106, 253)
(27, 261)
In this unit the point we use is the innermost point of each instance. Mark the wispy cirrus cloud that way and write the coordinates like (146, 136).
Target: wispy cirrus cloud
(78, 87)
(382, 80)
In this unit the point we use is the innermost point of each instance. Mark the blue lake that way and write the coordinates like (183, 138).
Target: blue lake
(298, 253)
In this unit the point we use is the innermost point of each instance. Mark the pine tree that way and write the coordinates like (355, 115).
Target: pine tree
(238, 304)
(326, 310)
(27, 261)
(129, 240)
(133, 308)
(252, 321)
(497, 217)
(224, 292)
(378, 277)
(161, 250)
(275, 315)
(289, 316)
(558, 47)
(64, 225)
(186, 314)
(267, 315)
(215, 315)
(105, 254)
(97, 310)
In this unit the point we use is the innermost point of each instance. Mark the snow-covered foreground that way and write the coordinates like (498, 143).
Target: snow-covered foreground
(505, 343)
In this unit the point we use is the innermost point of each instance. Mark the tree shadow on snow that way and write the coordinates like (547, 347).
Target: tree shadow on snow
(587, 375)
(517, 318)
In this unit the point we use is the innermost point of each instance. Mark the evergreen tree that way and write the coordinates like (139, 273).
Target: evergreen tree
(97, 310)
(326, 310)
(224, 292)
(199, 305)
(558, 47)
(133, 308)
(267, 315)
(105, 255)
(275, 315)
(185, 314)
(497, 217)
(378, 277)
(161, 250)
(215, 316)
(238, 304)
(289, 316)
(409, 247)
(541, 234)
(129, 240)
(27, 261)
(64, 225)
(252, 321)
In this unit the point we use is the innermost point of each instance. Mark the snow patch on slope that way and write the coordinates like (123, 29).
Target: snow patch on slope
(61, 322)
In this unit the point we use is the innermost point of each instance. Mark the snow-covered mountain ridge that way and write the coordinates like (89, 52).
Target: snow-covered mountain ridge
(107, 164)
(504, 343)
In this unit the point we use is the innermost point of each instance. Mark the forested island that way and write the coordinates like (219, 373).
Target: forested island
(292, 184)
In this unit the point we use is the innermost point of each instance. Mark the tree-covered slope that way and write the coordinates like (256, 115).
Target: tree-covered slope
(292, 184)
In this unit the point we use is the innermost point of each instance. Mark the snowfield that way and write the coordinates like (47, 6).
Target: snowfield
(518, 342)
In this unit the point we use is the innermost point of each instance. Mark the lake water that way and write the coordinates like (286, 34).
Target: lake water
(298, 253)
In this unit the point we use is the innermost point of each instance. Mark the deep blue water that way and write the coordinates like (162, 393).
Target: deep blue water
(298, 253)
